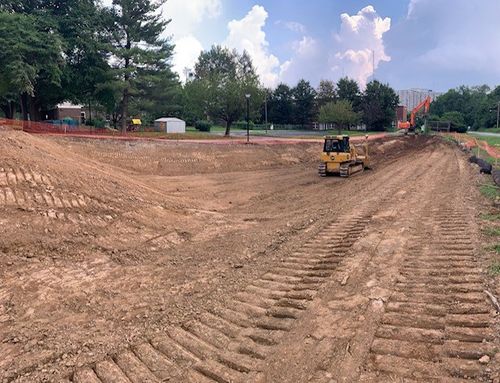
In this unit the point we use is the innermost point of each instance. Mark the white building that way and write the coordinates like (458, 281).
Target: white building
(412, 97)
(170, 125)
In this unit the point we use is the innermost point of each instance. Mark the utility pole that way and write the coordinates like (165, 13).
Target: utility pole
(265, 111)
(498, 113)
(248, 117)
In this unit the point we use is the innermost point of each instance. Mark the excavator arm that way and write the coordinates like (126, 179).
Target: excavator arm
(425, 105)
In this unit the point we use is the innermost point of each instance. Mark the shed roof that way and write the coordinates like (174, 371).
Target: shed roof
(169, 119)
(68, 105)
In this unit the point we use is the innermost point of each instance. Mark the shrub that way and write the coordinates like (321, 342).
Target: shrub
(203, 126)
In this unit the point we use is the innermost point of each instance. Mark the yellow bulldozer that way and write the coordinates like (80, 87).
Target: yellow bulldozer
(339, 157)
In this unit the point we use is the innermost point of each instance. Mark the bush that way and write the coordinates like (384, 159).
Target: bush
(243, 125)
(97, 123)
(203, 126)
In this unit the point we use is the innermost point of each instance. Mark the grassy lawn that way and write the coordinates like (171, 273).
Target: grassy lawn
(492, 141)
(189, 135)
(492, 130)
(490, 190)
(216, 132)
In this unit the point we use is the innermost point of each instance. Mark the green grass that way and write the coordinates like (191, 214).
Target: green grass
(490, 191)
(189, 135)
(495, 248)
(491, 130)
(494, 269)
(490, 217)
(492, 231)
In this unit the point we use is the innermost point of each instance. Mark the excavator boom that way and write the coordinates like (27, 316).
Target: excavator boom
(426, 105)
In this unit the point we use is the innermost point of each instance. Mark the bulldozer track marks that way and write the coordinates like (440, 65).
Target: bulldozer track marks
(231, 343)
(31, 190)
(437, 323)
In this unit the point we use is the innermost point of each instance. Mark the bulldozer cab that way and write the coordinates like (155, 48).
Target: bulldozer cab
(338, 144)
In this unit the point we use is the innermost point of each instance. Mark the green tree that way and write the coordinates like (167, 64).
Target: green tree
(304, 96)
(456, 119)
(339, 113)
(222, 79)
(281, 105)
(379, 102)
(326, 92)
(30, 62)
(138, 49)
(476, 104)
(87, 76)
(348, 89)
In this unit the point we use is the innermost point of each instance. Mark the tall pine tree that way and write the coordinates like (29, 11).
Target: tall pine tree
(138, 47)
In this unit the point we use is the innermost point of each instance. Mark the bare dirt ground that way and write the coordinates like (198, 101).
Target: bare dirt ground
(192, 262)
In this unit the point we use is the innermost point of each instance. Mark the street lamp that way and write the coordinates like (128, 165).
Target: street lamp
(248, 116)
(498, 114)
(265, 111)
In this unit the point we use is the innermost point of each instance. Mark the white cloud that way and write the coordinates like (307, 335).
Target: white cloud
(247, 34)
(306, 62)
(187, 51)
(359, 39)
(187, 16)
(466, 40)
(305, 46)
(293, 26)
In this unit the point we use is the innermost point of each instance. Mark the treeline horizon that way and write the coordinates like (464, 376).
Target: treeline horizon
(115, 61)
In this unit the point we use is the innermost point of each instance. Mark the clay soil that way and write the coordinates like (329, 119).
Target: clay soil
(196, 262)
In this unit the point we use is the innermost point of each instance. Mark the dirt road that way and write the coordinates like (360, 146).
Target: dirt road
(185, 262)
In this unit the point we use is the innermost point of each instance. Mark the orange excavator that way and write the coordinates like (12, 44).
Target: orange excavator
(409, 126)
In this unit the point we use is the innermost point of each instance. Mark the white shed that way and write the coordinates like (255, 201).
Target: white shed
(170, 125)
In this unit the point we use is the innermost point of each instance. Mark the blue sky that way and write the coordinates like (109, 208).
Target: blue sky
(432, 44)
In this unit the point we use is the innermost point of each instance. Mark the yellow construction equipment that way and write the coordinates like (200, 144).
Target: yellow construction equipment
(341, 158)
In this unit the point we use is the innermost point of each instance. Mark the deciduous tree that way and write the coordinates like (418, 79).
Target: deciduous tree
(339, 113)
(379, 102)
(304, 96)
(348, 89)
(222, 79)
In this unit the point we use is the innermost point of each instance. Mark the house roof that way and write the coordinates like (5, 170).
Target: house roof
(169, 119)
(68, 105)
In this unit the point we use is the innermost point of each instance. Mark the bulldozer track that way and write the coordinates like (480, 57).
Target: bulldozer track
(230, 344)
(437, 323)
(382, 284)
(29, 189)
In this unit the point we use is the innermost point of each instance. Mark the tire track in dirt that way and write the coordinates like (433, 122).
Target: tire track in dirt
(437, 323)
(231, 343)
(28, 189)
(413, 310)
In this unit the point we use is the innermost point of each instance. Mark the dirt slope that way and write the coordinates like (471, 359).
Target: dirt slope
(141, 262)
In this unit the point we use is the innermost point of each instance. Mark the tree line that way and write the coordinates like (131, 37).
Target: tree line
(475, 107)
(115, 61)
(110, 58)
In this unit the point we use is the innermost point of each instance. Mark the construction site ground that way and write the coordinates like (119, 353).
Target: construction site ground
(137, 261)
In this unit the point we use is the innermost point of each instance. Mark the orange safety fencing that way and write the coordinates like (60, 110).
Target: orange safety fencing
(55, 128)
(472, 142)
(68, 129)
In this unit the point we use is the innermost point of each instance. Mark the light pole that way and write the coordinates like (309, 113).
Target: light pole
(248, 117)
(265, 111)
(498, 113)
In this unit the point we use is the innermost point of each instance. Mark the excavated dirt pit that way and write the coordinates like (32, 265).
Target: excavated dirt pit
(194, 262)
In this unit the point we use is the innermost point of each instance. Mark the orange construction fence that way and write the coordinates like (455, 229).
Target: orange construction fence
(472, 142)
